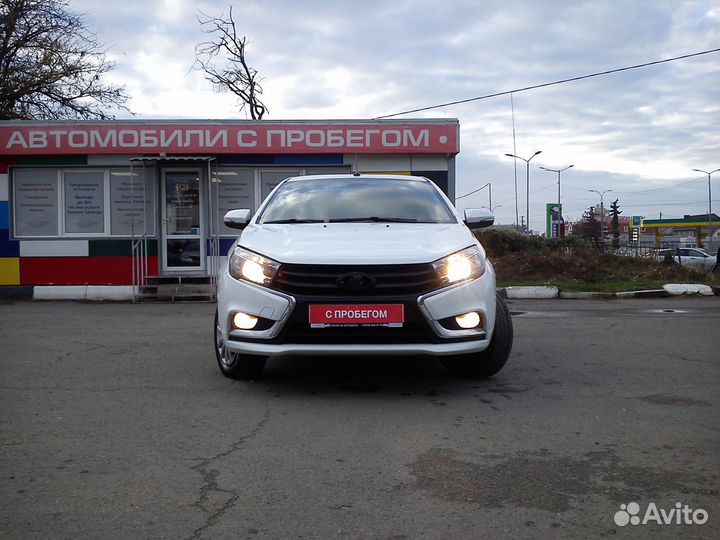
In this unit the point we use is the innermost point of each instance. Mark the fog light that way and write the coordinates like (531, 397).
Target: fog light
(243, 321)
(469, 320)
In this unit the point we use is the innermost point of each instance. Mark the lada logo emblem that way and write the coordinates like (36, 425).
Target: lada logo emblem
(355, 281)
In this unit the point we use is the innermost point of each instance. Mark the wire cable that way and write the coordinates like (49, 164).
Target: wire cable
(543, 85)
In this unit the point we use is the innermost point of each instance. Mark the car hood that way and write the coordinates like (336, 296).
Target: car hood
(356, 243)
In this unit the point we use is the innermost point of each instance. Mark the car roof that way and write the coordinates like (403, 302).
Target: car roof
(349, 176)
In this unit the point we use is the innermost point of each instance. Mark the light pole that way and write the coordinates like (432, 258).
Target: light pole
(602, 217)
(709, 201)
(527, 180)
(558, 171)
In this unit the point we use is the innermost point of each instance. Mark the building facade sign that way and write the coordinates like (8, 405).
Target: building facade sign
(228, 138)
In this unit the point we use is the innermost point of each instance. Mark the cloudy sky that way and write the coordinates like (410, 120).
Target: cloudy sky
(638, 133)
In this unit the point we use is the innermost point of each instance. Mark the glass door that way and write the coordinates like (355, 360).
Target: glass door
(182, 231)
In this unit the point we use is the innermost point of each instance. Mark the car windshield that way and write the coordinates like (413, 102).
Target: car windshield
(357, 199)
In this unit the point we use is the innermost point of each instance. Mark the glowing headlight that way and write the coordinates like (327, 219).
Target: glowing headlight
(463, 265)
(249, 266)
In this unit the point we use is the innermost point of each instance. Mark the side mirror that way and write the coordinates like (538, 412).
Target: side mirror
(477, 218)
(237, 219)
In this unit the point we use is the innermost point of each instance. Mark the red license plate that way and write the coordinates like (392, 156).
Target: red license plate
(324, 316)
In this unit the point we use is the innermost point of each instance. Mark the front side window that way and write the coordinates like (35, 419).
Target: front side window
(357, 199)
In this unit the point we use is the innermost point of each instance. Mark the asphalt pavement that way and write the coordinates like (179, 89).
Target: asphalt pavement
(115, 423)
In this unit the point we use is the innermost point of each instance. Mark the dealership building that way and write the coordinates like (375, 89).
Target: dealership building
(102, 209)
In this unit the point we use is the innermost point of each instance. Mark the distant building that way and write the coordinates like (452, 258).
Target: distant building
(671, 231)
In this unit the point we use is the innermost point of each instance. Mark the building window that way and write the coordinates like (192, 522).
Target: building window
(232, 188)
(127, 200)
(84, 202)
(35, 197)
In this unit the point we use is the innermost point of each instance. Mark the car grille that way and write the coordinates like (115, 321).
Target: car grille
(333, 280)
(414, 330)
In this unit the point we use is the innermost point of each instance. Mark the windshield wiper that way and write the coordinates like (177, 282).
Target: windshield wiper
(293, 220)
(374, 219)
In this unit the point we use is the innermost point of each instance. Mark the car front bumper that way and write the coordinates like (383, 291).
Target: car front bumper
(289, 332)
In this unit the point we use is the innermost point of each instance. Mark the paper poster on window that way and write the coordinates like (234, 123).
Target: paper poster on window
(234, 189)
(84, 202)
(131, 204)
(35, 202)
(270, 179)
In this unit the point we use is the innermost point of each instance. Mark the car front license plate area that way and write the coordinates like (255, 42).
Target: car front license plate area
(350, 315)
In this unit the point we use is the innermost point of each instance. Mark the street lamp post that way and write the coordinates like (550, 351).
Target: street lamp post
(558, 171)
(527, 187)
(602, 208)
(709, 201)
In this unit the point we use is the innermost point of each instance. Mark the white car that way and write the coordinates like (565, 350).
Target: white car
(357, 265)
(690, 257)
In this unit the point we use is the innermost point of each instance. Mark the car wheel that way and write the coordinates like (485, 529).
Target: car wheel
(235, 365)
(488, 362)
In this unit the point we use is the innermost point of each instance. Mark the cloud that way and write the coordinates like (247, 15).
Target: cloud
(645, 128)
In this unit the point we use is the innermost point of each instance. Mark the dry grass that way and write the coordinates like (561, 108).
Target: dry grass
(572, 264)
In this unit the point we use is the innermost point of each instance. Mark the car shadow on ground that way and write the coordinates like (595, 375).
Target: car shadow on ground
(380, 375)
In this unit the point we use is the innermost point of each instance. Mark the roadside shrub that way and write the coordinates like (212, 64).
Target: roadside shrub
(520, 258)
(499, 242)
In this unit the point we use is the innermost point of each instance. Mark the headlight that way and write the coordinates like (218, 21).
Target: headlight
(249, 266)
(463, 265)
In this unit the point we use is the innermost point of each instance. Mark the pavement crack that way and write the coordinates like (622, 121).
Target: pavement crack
(211, 485)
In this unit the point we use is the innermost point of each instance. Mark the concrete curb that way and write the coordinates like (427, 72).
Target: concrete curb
(547, 292)
(123, 293)
(541, 292)
(681, 289)
(117, 293)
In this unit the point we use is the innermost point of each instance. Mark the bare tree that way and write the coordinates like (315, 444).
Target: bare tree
(51, 64)
(235, 75)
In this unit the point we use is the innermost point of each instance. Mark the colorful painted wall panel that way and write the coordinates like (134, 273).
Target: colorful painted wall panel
(53, 248)
(79, 270)
(4, 186)
(10, 271)
(4, 215)
(8, 247)
(6, 162)
(118, 248)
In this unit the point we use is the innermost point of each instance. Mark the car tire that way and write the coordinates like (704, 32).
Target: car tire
(488, 362)
(235, 365)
